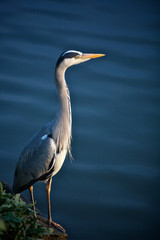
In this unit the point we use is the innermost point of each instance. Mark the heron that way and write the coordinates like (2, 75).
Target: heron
(45, 152)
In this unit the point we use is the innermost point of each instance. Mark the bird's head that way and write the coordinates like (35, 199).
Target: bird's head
(73, 57)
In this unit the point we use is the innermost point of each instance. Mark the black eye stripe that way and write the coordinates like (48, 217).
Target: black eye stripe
(70, 55)
(65, 56)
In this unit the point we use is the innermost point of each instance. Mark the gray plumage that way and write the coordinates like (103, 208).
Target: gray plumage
(45, 153)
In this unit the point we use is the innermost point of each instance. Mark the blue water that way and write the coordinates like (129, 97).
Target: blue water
(111, 189)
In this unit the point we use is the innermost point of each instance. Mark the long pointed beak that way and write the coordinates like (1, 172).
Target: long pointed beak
(91, 55)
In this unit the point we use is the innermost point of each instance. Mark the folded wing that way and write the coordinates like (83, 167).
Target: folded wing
(36, 163)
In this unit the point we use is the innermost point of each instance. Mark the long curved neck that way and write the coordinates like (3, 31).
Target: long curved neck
(63, 92)
(63, 133)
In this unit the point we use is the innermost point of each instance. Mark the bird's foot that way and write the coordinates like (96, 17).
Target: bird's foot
(57, 226)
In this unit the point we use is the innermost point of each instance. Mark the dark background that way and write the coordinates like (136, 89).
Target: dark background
(111, 190)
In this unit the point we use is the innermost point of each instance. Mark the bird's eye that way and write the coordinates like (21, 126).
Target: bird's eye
(77, 56)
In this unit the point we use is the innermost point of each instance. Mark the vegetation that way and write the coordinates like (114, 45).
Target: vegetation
(16, 219)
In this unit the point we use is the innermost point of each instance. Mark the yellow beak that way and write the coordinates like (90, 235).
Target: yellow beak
(91, 55)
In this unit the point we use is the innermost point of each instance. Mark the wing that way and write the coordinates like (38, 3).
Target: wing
(35, 163)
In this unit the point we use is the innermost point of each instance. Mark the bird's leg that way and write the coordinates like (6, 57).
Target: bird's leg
(32, 200)
(48, 189)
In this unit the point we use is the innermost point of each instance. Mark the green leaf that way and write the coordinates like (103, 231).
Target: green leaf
(2, 225)
(16, 198)
(11, 217)
(1, 189)
(6, 208)
(18, 218)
